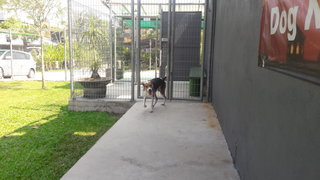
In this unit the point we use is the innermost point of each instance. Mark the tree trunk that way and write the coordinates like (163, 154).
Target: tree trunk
(42, 61)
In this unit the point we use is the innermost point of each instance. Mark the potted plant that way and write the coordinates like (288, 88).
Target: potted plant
(93, 38)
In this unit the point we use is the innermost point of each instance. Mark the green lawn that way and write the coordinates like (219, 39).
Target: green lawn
(39, 137)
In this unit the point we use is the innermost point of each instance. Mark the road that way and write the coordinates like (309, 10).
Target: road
(48, 76)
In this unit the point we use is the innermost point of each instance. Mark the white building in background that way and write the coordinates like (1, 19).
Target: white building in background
(3, 15)
(18, 43)
(5, 42)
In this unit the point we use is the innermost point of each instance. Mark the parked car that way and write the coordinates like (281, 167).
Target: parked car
(23, 64)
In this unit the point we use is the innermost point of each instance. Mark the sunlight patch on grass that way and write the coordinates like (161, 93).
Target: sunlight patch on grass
(84, 133)
(15, 134)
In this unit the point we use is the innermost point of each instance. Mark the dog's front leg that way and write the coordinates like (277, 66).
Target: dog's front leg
(144, 101)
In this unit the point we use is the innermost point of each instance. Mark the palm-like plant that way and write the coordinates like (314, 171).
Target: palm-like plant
(94, 36)
(91, 39)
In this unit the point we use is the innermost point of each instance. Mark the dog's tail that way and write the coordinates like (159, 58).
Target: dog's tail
(164, 78)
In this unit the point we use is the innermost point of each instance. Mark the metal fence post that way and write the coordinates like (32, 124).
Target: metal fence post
(150, 53)
(211, 11)
(173, 6)
(132, 51)
(65, 55)
(110, 41)
(203, 52)
(169, 51)
(70, 49)
(115, 52)
(156, 47)
(171, 46)
(138, 47)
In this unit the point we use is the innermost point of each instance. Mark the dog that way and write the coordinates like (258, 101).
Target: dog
(151, 87)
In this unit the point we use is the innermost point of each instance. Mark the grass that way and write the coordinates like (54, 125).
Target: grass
(39, 137)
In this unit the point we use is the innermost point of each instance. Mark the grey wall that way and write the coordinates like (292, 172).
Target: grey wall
(271, 121)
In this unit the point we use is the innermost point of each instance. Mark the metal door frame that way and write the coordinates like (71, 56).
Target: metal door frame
(171, 40)
(137, 51)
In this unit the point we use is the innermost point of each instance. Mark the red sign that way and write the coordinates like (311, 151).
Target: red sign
(290, 36)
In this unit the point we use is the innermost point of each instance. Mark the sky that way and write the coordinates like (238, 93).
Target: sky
(23, 17)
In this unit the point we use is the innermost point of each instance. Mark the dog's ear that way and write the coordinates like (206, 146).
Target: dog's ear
(143, 84)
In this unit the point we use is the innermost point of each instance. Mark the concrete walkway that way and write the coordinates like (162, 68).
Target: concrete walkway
(179, 141)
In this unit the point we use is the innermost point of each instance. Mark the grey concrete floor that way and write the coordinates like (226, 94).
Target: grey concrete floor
(179, 141)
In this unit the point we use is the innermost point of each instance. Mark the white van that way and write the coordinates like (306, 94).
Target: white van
(23, 64)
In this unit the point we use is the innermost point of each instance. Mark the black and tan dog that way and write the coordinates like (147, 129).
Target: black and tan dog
(151, 87)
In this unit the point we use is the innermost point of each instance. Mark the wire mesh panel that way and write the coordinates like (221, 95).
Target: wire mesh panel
(101, 68)
(102, 37)
(150, 39)
(186, 59)
(147, 35)
(147, 21)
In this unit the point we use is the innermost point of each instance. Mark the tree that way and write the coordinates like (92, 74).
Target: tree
(2, 2)
(16, 25)
(54, 53)
(125, 53)
(94, 36)
(40, 12)
(11, 23)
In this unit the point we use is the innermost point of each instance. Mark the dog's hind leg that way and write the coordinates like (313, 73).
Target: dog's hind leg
(162, 92)
(155, 96)
(152, 106)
